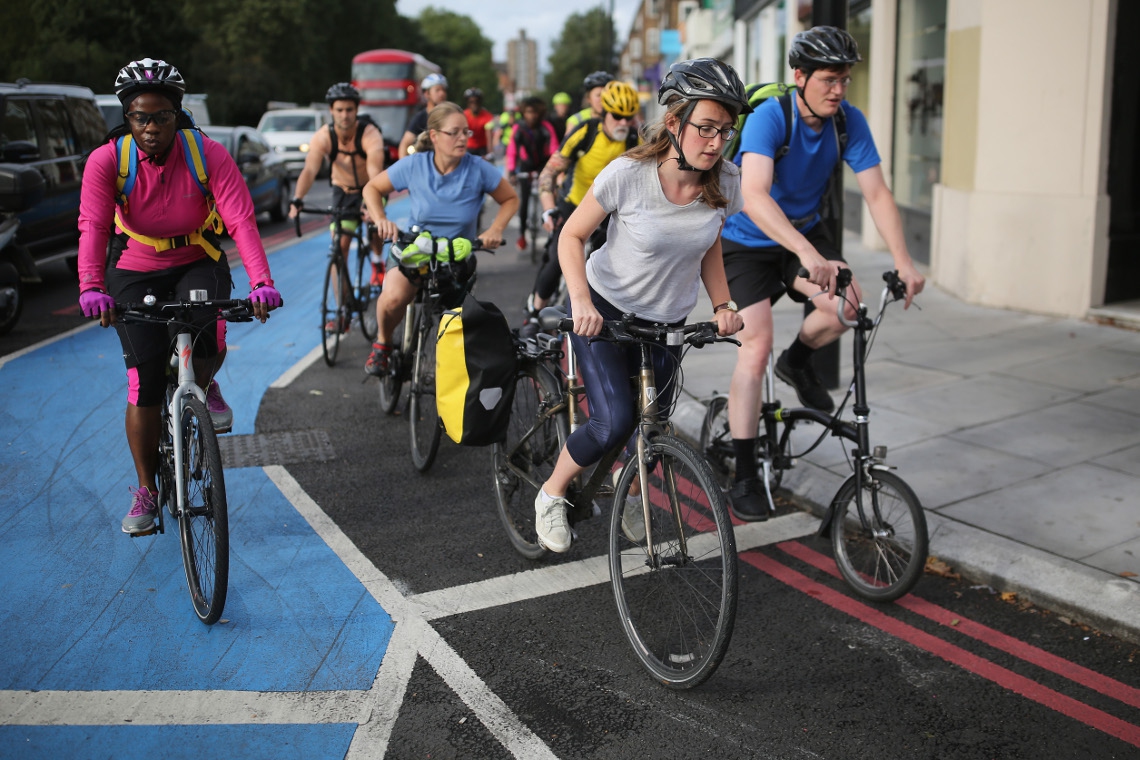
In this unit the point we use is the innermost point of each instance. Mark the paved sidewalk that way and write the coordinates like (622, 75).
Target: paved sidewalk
(1020, 434)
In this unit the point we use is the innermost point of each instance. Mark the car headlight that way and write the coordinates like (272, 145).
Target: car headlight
(303, 147)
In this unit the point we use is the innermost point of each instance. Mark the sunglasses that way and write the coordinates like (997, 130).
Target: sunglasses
(160, 118)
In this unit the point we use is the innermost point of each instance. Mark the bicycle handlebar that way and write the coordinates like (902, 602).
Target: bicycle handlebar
(152, 310)
(623, 330)
(895, 288)
(327, 211)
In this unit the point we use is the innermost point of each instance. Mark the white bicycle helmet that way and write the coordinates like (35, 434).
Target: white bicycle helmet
(431, 80)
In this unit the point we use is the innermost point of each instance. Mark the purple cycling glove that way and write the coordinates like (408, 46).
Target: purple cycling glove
(93, 302)
(267, 294)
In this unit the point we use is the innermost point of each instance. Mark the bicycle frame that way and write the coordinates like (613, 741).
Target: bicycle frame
(184, 350)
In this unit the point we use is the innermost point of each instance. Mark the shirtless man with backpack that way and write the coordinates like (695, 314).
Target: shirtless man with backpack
(354, 148)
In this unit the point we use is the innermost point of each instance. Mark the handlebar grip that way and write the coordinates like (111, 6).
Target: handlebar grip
(803, 272)
(297, 220)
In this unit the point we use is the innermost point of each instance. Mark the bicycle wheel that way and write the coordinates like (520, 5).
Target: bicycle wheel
(365, 304)
(204, 523)
(677, 608)
(392, 381)
(882, 559)
(330, 316)
(520, 467)
(716, 442)
(423, 419)
(166, 480)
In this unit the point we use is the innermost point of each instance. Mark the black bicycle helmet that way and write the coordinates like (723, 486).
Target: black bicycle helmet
(705, 79)
(472, 92)
(149, 75)
(342, 91)
(823, 47)
(597, 79)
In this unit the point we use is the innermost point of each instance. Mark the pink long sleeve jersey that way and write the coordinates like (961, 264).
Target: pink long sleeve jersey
(165, 202)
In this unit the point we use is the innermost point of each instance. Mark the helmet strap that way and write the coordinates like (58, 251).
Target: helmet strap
(674, 140)
(803, 98)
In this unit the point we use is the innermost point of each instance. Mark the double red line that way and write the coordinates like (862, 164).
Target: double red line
(1003, 677)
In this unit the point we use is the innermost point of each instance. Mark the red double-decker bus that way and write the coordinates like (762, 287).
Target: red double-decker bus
(389, 86)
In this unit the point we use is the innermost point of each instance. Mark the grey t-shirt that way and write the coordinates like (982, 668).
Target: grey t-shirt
(651, 262)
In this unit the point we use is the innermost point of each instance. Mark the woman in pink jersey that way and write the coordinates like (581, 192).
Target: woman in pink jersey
(129, 247)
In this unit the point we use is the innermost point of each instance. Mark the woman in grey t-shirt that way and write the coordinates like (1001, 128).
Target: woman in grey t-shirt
(667, 201)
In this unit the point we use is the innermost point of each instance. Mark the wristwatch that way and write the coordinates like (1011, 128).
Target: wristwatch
(730, 305)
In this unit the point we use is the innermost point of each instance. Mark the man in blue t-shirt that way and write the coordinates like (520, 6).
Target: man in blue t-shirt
(779, 231)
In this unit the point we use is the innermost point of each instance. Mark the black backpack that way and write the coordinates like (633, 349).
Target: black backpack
(362, 122)
(829, 207)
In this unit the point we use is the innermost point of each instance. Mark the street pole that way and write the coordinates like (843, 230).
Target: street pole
(826, 359)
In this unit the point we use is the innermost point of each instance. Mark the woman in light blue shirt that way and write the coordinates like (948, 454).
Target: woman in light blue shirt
(446, 186)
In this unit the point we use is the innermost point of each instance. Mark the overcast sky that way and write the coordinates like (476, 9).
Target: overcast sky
(501, 20)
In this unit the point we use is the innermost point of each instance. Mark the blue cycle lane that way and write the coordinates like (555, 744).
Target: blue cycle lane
(90, 609)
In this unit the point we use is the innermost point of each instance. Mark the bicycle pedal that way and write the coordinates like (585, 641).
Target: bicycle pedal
(140, 534)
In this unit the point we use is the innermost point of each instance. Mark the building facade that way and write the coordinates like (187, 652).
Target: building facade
(1008, 132)
(522, 64)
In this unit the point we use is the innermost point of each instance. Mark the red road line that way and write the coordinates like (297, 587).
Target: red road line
(1110, 687)
(955, 655)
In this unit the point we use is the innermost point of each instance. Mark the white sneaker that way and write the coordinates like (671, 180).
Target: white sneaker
(550, 522)
(633, 519)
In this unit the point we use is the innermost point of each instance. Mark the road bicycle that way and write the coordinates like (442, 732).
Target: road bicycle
(675, 586)
(191, 485)
(348, 292)
(875, 521)
(444, 272)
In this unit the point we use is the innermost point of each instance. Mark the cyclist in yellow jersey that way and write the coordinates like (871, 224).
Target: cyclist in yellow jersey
(584, 153)
(592, 87)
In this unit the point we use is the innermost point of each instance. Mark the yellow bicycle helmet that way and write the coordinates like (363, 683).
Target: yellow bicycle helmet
(620, 99)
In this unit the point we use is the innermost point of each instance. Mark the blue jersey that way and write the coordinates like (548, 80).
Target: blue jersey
(445, 204)
(801, 176)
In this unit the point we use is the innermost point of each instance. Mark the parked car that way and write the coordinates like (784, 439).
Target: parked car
(48, 127)
(113, 110)
(264, 172)
(288, 131)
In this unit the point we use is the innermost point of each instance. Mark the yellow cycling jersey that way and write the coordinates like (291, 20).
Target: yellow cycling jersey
(595, 159)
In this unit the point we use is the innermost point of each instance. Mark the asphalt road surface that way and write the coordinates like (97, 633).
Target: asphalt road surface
(499, 665)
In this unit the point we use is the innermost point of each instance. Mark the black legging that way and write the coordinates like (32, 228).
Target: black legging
(606, 370)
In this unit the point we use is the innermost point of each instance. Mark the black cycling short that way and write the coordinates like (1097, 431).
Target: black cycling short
(758, 273)
(146, 347)
(348, 203)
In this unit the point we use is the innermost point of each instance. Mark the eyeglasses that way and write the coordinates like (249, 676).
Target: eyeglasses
(708, 131)
(619, 118)
(831, 82)
(454, 133)
(160, 118)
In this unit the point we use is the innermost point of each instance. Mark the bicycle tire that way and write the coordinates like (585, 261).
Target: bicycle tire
(519, 468)
(365, 304)
(166, 481)
(330, 340)
(534, 221)
(423, 417)
(391, 384)
(880, 568)
(204, 523)
(679, 615)
(716, 442)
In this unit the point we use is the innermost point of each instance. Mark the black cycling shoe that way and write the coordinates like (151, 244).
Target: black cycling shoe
(748, 502)
(808, 387)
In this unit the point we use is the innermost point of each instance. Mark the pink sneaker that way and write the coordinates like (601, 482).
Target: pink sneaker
(220, 412)
(143, 509)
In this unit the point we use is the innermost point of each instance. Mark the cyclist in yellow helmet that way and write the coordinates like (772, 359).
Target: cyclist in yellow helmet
(584, 153)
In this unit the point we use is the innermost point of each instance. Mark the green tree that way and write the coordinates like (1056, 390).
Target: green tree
(580, 49)
(457, 44)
